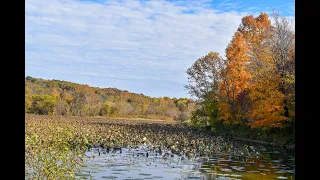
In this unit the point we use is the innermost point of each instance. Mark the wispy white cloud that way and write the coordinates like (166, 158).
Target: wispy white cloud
(150, 41)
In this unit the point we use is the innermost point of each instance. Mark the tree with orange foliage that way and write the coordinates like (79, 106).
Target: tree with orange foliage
(252, 73)
(55, 92)
(256, 85)
(265, 95)
(234, 79)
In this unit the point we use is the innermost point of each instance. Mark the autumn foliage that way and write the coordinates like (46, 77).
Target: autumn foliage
(256, 81)
(54, 97)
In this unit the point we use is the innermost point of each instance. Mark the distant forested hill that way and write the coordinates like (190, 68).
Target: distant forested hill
(55, 97)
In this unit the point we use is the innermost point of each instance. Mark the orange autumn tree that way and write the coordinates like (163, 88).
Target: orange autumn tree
(264, 92)
(55, 93)
(234, 80)
(250, 83)
(256, 84)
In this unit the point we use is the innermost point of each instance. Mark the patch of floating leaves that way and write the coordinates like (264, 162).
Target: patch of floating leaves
(55, 146)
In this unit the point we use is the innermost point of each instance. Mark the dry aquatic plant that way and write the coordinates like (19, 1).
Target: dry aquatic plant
(48, 153)
(55, 146)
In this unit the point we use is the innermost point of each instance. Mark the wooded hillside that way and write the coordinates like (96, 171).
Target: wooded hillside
(55, 97)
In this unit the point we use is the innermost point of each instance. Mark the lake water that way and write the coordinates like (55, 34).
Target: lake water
(133, 164)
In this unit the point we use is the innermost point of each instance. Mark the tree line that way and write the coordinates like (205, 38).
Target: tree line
(55, 97)
(252, 89)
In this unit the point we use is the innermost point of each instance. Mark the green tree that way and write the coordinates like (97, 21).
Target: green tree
(43, 104)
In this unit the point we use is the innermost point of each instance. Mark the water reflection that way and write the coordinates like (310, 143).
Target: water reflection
(143, 163)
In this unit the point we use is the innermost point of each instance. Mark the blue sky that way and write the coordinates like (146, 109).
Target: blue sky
(140, 46)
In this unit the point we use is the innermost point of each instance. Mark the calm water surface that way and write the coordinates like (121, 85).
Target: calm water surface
(133, 164)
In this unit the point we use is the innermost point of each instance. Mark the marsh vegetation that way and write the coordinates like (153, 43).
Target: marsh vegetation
(64, 147)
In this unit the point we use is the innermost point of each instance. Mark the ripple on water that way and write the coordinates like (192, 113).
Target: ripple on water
(225, 169)
(265, 170)
(290, 171)
(119, 170)
(224, 175)
(123, 166)
(109, 177)
(276, 161)
(157, 177)
(253, 171)
(282, 177)
(237, 168)
(223, 178)
(275, 167)
(187, 171)
(281, 171)
(235, 175)
(193, 177)
(144, 174)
